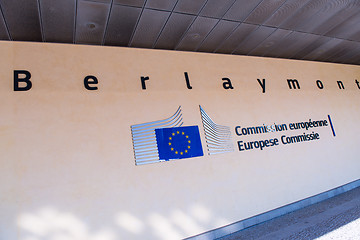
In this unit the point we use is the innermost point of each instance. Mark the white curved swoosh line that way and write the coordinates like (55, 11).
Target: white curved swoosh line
(218, 137)
(144, 138)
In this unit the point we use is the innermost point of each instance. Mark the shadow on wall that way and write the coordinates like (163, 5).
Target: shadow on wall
(52, 224)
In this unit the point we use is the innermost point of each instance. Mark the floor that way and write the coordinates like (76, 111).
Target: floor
(335, 218)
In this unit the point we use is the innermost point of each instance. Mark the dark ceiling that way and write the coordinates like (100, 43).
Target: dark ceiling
(320, 30)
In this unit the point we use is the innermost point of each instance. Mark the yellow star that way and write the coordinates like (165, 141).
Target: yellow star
(189, 141)
(187, 136)
(173, 134)
(170, 138)
(189, 147)
(176, 152)
(182, 133)
(172, 149)
(169, 143)
(181, 153)
(177, 132)
(186, 151)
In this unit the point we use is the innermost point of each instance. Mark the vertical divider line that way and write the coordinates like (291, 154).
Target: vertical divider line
(332, 127)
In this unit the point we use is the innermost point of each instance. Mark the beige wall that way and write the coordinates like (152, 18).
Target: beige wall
(67, 163)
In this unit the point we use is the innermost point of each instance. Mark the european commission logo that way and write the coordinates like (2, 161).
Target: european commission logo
(178, 142)
(167, 139)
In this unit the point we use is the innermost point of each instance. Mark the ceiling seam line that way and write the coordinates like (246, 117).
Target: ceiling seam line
(245, 39)
(292, 15)
(219, 19)
(250, 24)
(277, 28)
(260, 43)
(253, 10)
(190, 25)
(322, 45)
(292, 31)
(136, 25)
(307, 45)
(41, 22)
(223, 41)
(163, 27)
(6, 24)
(267, 50)
(107, 23)
(260, 25)
(75, 21)
(341, 23)
(324, 34)
(332, 54)
(267, 19)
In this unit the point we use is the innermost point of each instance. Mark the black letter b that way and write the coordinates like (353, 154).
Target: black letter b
(25, 80)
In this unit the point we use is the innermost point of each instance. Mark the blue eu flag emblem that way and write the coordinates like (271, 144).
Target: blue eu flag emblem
(178, 142)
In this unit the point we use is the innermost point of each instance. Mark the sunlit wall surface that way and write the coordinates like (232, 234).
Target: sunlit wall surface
(67, 157)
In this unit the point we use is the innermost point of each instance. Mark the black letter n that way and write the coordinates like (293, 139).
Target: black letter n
(25, 79)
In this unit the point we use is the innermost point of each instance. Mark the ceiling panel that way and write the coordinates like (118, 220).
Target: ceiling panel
(58, 19)
(355, 36)
(347, 28)
(311, 47)
(321, 51)
(101, 1)
(222, 30)
(121, 25)
(175, 28)
(241, 9)
(3, 31)
(216, 10)
(286, 11)
(355, 49)
(293, 43)
(254, 39)
(161, 4)
(300, 19)
(321, 30)
(354, 59)
(327, 10)
(197, 33)
(263, 11)
(229, 44)
(340, 50)
(339, 17)
(22, 18)
(272, 41)
(132, 3)
(189, 6)
(150, 25)
(91, 21)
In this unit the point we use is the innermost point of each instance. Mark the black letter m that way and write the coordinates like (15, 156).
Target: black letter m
(293, 83)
